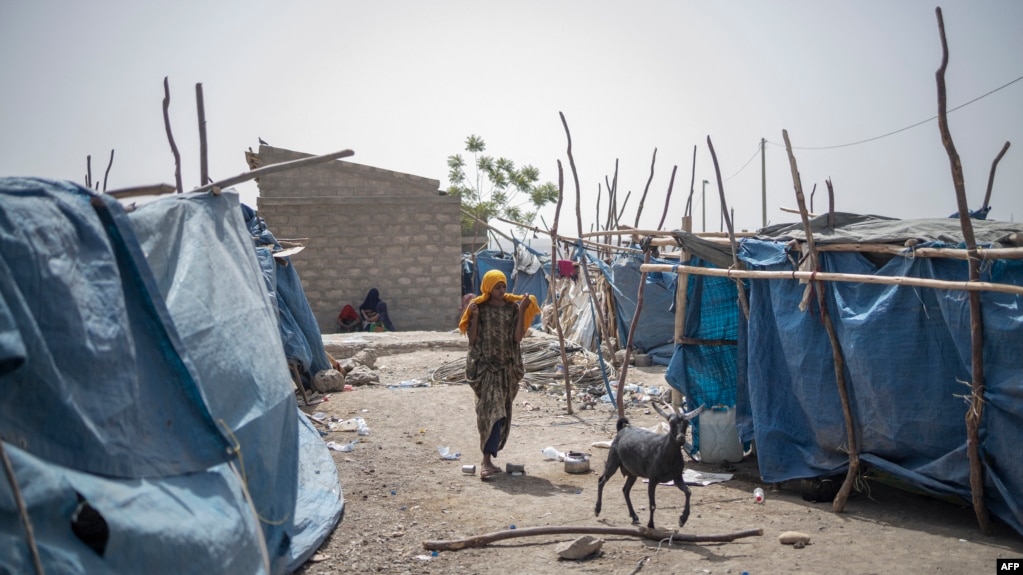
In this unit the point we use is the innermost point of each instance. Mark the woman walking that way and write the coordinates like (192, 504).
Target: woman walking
(495, 322)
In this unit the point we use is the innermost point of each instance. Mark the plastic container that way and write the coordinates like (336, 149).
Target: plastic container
(719, 438)
(758, 495)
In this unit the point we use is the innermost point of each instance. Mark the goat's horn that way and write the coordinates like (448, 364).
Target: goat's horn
(658, 409)
(689, 416)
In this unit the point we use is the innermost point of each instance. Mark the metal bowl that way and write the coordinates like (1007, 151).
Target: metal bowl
(577, 462)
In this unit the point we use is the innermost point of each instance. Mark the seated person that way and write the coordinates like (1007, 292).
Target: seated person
(374, 313)
(348, 321)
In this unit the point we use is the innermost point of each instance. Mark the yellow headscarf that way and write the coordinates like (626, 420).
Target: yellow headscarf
(491, 279)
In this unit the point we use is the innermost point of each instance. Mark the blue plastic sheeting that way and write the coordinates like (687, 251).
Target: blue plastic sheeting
(704, 369)
(655, 331)
(520, 282)
(96, 341)
(300, 332)
(907, 352)
(145, 335)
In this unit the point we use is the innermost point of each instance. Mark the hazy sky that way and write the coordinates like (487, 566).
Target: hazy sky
(403, 83)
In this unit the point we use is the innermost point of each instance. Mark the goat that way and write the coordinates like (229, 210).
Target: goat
(643, 453)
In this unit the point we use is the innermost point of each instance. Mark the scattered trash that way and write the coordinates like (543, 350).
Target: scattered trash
(469, 469)
(703, 478)
(410, 383)
(349, 425)
(319, 416)
(552, 454)
(447, 454)
(360, 426)
(758, 495)
(797, 538)
(319, 557)
(514, 468)
(425, 557)
(343, 447)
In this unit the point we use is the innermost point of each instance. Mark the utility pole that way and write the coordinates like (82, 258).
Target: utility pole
(703, 200)
(763, 181)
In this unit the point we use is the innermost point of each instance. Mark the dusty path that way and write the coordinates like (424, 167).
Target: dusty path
(400, 493)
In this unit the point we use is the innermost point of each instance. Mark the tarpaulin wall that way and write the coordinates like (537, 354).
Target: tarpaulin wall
(139, 381)
(655, 330)
(703, 368)
(908, 365)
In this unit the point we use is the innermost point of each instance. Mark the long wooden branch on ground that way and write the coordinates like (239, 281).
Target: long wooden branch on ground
(641, 532)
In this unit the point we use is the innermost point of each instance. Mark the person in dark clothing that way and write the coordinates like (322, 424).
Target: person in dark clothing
(373, 313)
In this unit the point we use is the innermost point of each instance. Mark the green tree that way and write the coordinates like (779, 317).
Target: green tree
(497, 188)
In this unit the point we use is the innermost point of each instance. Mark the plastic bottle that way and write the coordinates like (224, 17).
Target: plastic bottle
(552, 454)
(758, 495)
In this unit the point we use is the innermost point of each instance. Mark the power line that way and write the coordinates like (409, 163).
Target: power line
(892, 133)
(757, 151)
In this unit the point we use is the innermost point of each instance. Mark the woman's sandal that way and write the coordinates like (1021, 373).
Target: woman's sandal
(488, 472)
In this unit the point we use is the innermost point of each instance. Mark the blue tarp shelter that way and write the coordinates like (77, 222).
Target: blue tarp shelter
(655, 329)
(907, 353)
(527, 271)
(147, 414)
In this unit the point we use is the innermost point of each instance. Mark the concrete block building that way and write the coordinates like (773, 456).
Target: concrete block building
(365, 227)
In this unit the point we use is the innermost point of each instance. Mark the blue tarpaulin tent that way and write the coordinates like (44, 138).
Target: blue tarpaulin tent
(907, 353)
(148, 418)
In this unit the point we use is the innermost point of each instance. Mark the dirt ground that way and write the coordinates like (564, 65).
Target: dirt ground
(399, 492)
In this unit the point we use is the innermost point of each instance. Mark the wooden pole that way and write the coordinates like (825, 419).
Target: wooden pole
(204, 172)
(170, 136)
(838, 277)
(838, 505)
(555, 301)
(743, 304)
(975, 413)
(106, 174)
(667, 198)
(584, 262)
(273, 168)
(642, 199)
(991, 176)
(632, 330)
(641, 532)
(681, 300)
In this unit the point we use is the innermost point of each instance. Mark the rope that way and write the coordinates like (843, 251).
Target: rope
(22, 510)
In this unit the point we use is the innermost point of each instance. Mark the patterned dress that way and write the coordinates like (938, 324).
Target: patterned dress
(494, 369)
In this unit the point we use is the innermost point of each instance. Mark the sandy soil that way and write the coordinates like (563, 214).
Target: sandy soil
(400, 493)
